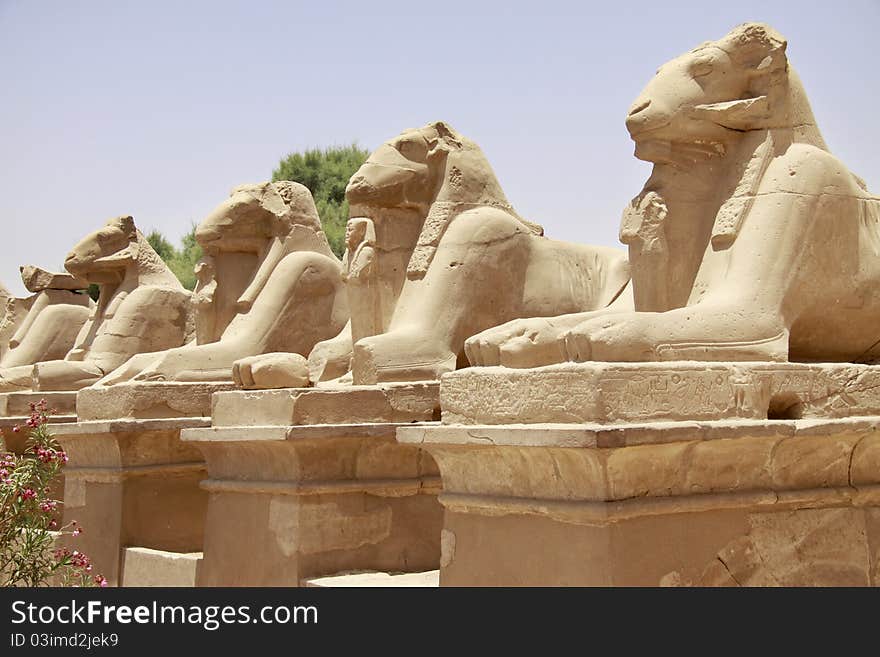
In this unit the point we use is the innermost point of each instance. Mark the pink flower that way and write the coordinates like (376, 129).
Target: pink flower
(47, 506)
(101, 581)
(80, 560)
(28, 494)
(15, 429)
(77, 531)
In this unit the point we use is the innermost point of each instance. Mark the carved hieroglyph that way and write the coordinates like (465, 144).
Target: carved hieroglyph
(43, 326)
(750, 241)
(142, 307)
(472, 263)
(268, 283)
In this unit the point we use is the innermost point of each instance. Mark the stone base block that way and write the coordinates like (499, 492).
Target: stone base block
(132, 483)
(652, 392)
(289, 503)
(17, 404)
(429, 579)
(792, 503)
(393, 402)
(146, 567)
(148, 400)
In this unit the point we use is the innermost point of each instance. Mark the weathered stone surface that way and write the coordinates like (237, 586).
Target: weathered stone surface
(148, 400)
(427, 579)
(636, 462)
(650, 392)
(737, 502)
(146, 567)
(806, 547)
(36, 279)
(270, 371)
(17, 404)
(406, 402)
(315, 500)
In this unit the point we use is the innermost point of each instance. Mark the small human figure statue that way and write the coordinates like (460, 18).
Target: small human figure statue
(361, 277)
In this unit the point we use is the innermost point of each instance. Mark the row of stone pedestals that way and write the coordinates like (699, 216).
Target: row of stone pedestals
(567, 475)
(278, 489)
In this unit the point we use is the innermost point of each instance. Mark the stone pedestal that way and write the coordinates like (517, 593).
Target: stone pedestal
(149, 567)
(295, 493)
(610, 393)
(130, 482)
(646, 503)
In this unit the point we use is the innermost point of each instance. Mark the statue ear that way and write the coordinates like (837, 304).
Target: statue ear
(745, 114)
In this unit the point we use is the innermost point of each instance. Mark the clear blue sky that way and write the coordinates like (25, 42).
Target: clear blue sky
(157, 109)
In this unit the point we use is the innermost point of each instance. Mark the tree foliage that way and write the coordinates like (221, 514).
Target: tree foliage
(326, 173)
(181, 261)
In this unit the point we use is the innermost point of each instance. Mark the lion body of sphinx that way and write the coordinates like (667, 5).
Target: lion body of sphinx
(750, 241)
(43, 326)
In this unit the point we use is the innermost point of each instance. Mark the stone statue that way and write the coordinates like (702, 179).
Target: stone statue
(750, 241)
(360, 273)
(476, 263)
(49, 320)
(142, 307)
(203, 300)
(268, 283)
(451, 257)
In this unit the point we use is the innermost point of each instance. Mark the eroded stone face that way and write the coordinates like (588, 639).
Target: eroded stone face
(749, 242)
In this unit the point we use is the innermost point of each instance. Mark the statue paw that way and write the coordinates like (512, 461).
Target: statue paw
(271, 371)
(615, 338)
(519, 343)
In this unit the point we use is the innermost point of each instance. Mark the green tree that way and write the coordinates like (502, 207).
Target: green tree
(326, 173)
(180, 261)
